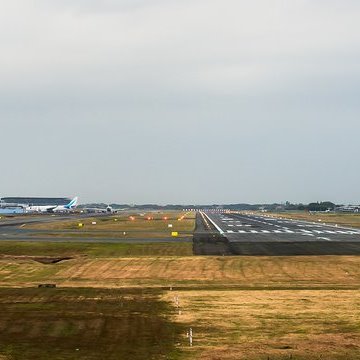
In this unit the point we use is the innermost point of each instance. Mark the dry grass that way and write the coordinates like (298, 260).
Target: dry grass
(231, 325)
(239, 307)
(157, 222)
(245, 272)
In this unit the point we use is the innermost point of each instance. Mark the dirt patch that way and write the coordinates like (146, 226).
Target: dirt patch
(51, 260)
(40, 259)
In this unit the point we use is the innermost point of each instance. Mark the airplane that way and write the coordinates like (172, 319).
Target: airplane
(107, 210)
(68, 207)
(348, 208)
(53, 208)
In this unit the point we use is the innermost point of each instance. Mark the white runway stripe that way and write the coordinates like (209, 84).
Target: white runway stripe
(285, 231)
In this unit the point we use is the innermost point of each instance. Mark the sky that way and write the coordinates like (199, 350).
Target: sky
(180, 101)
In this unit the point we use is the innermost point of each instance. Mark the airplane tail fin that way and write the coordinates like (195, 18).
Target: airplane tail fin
(72, 203)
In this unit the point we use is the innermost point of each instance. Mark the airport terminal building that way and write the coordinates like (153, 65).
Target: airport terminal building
(36, 201)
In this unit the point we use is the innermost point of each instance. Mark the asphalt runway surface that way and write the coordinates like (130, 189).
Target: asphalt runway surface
(265, 235)
(207, 240)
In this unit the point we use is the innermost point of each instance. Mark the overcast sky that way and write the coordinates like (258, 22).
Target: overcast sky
(180, 101)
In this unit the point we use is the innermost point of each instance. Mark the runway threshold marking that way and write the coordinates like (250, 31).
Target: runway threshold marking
(316, 232)
(218, 228)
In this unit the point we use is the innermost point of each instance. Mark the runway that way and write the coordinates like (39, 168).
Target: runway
(265, 235)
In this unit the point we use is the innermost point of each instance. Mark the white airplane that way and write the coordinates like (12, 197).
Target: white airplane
(107, 210)
(53, 208)
(349, 208)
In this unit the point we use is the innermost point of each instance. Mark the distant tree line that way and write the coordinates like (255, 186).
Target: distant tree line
(322, 206)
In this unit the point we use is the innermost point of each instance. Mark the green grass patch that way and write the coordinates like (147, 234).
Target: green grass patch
(118, 235)
(150, 222)
(33, 248)
(86, 324)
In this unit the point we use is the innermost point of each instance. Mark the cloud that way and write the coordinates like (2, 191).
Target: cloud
(184, 76)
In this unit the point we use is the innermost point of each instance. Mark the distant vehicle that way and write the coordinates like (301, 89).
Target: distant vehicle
(349, 208)
(320, 211)
(53, 208)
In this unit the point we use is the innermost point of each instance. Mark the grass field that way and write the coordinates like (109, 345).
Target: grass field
(110, 250)
(271, 324)
(351, 220)
(339, 272)
(238, 307)
(149, 225)
(83, 323)
(113, 301)
(119, 235)
(149, 222)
